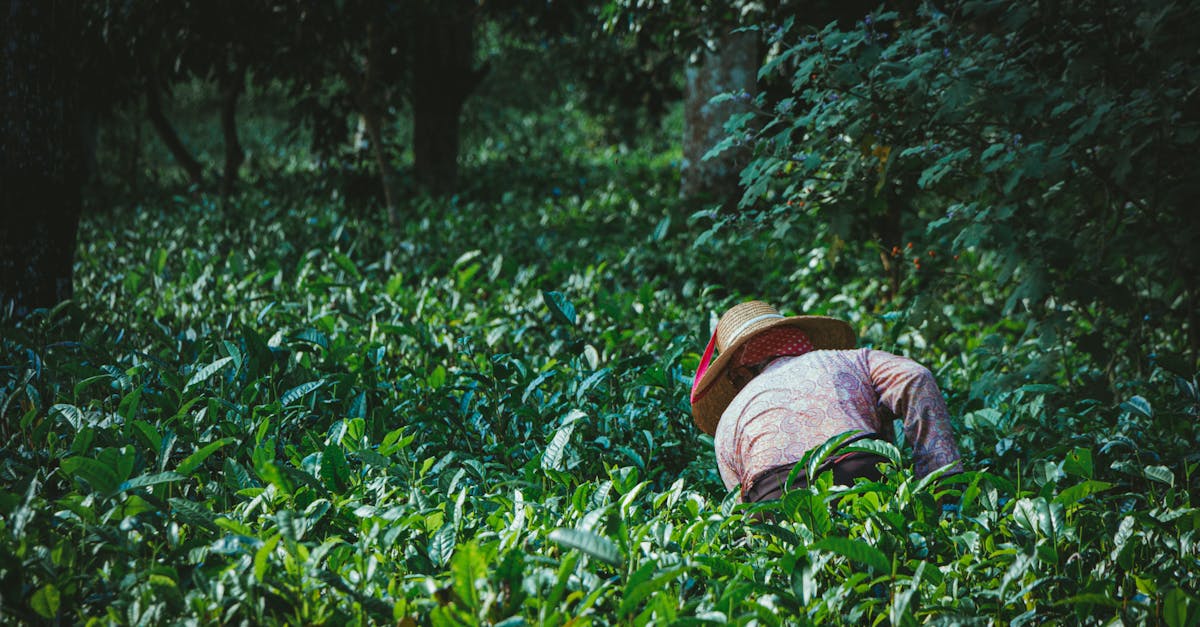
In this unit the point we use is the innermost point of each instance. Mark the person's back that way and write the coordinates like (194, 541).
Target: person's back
(783, 386)
(798, 403)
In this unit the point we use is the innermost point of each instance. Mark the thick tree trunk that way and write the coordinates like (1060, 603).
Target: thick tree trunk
(41, 155)
(231, 89)
(731, 68)
(169, 137)
(444, 75)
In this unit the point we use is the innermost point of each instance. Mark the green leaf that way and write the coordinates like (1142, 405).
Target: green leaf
(1079, 463)
(1138, 405)
(46, 600)
(334, 469)
(149, 480)
(552, 457)
(101, 477)
(235, 354)
(857, 551)
(588, 543)
(358, 405)
(441, 545)
(991, 151)
(1081, 491)
(236, 476)
(346, 264)
(1089, 598)
(1162, 474)
(899, 613)
(313, 336)
(467, 567)
(70, 413)
(394, 441)
(660, 231)
(273, 474)
(590, 382)
(292, 526)
(262, 555)
(147, 432)
(194, 514)
(882, 448)
(193, 461)
(560, 308)
(1179, 609)
(814, 458)
(300, 391)
(641, 586)
(437, 378)
(204, 373)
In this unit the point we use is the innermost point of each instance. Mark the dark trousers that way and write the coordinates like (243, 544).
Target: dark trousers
(846, 468)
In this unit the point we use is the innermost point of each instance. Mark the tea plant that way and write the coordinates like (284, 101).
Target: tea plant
(277, 413)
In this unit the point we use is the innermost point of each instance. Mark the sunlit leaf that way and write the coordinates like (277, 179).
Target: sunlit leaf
(552, 457)
(46, 601)
(1161, 474)
(70, 413)
(204, 373)
(149, 480)
(300, 391)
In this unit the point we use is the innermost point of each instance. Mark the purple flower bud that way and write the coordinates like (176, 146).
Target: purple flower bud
(945, 52)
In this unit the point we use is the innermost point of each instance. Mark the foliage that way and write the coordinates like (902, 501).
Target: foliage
(1055, 136)
(278, 412)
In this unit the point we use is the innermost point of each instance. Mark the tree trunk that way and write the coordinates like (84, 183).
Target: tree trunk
(373, 121)
(731, 68)
(370, 105)
(133, 159)
(888, 230)
(444, 74)
(170, 138)
(41, 155)
(232, 85)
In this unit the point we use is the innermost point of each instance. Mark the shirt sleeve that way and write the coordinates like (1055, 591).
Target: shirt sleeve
(909, 390)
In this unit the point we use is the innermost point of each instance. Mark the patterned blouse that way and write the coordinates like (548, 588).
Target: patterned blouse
(797, 403)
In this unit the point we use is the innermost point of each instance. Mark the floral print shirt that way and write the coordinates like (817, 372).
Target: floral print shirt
(797, 403)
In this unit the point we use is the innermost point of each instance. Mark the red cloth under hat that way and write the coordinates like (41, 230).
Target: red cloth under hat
(777, 342)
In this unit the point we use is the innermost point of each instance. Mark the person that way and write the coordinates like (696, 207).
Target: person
(780, 386)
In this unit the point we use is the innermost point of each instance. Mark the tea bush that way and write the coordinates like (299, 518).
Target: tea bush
(278, 412)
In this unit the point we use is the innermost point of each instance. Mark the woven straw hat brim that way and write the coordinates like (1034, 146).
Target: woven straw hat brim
(717, 391)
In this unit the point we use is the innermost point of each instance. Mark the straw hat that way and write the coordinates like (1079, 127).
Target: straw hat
(713, 389)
